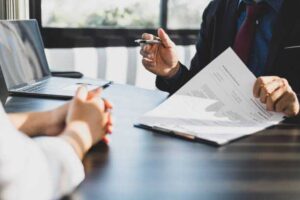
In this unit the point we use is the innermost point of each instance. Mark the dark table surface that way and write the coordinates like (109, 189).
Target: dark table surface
(143, 165)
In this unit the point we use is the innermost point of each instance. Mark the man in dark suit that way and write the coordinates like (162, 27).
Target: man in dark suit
(264, 33)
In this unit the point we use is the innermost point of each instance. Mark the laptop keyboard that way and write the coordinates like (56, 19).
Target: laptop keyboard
(35, 88)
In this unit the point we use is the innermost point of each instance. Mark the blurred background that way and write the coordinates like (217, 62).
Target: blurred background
(96, 37)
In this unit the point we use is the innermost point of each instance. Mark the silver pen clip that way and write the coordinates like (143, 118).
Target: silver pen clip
(156, 40)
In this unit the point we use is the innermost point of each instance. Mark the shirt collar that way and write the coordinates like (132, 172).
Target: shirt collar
(275, 4)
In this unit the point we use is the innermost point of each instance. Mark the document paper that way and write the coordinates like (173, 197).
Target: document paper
(216, 105)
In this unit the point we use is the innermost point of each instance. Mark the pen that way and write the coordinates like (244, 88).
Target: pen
(156, 40)
(100, 87)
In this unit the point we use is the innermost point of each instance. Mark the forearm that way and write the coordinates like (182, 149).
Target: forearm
(76, 134)
(32, 124)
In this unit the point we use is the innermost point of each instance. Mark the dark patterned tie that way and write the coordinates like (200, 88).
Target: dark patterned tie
(245, 37)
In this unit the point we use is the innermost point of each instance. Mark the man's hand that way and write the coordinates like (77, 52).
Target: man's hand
(277, 94)
(162, 59)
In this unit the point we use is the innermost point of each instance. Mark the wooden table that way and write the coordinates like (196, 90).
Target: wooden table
(144, 165)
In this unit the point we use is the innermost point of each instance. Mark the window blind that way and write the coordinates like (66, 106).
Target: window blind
(14, 9)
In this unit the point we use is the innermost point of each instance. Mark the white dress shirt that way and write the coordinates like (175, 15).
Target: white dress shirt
(41, 168)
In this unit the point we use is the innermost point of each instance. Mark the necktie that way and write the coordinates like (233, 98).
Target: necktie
(245, 37)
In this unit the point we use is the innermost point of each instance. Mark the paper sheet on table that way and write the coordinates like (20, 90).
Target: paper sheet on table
(216, 105)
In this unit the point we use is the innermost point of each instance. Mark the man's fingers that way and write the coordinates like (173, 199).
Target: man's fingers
(148, 51)
(148, 63)
(292, 105)
(260, 82)
(283, 104)
(147, 47)
(275, 97)
(149, 55)
(277, 94)
(147, 36)
(274, 85)
(165, 39)
(82, 93)
(264, 94)
(267, 89)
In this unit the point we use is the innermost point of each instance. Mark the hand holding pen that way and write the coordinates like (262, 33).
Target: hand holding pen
(155, 40)
(159, 54)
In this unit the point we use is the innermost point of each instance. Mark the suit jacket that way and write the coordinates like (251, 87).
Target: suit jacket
(218, 31)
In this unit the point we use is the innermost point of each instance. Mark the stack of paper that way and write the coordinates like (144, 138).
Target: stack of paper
(217, 105)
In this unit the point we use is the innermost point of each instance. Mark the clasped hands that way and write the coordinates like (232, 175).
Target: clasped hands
(82, 122)
(273, 91)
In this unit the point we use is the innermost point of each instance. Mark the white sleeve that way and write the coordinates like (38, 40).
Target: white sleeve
(42, 168)
(66, 168)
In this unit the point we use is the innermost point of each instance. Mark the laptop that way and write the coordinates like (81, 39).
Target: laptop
(3, 89)
(25, 67)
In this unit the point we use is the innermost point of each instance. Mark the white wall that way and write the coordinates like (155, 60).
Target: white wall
(119, 64)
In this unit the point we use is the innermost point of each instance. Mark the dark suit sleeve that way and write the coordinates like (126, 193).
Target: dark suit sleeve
(200, 60)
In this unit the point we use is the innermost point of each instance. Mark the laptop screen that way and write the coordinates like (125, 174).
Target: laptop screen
(3, 89)
(22, 56)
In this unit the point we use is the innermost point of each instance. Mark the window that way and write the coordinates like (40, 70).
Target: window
(182, 11)
(100, 13)
(100, 23)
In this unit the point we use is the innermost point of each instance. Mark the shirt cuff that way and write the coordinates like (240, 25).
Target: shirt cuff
(170, 84)
(64, 165)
